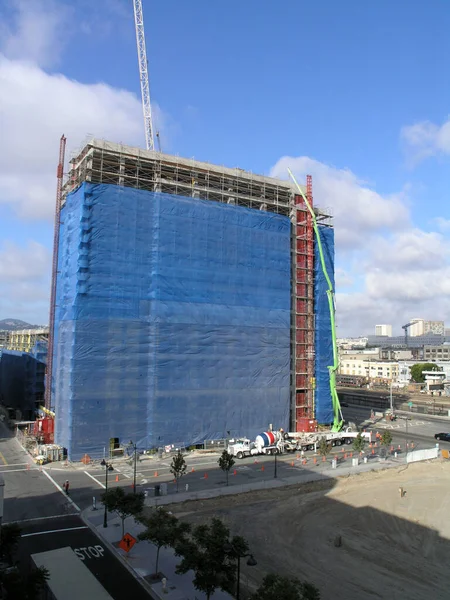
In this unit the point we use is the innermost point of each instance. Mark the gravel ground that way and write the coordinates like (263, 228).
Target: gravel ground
(393, 547)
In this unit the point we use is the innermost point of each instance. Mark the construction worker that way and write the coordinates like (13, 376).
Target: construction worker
(66, 487)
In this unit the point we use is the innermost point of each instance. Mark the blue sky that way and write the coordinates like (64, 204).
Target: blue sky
(354, 92)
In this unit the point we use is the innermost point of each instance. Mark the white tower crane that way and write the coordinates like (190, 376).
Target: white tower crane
(143, 73)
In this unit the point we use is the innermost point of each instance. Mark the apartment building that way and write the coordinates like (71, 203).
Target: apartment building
(370, 368)
(436, 353)
(383, 330)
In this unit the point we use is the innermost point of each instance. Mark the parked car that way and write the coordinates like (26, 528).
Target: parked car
(445, 437)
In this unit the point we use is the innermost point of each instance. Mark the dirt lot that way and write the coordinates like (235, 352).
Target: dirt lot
(392, 548)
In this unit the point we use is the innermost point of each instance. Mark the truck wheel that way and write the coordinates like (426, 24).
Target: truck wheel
(240, 455)
(348, 441)
(338, 443)
(311, 447)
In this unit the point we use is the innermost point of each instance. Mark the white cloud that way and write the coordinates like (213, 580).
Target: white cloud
(358, 210)
(387, 271)
(37, 108)
(442, 224)
(342, 278)
(36, 30)
(25, 281)
(425, 139)
(411, 250)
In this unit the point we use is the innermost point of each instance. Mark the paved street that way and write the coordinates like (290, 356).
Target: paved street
(32, 494)
(51, 534)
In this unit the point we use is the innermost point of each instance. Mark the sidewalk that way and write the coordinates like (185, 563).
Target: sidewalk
(306, 474)
(141, 559)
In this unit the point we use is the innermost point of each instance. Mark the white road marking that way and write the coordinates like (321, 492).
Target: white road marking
(96, 480)
(44, 518)
(124, 474)
(54, 531)
(17, 470)
(58, 487)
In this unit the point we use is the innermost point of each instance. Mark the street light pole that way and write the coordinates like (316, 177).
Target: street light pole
(105, 514)
(392, 406)
(275, 470)
(134, 469)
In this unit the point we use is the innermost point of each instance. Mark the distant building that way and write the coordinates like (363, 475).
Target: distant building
(369, 368)
(383, 330)
(21, 382)
(436, 353)
(421, 327)
(4, 338)
(24, 340)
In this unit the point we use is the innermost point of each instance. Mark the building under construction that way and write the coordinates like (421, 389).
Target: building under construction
(189, 304)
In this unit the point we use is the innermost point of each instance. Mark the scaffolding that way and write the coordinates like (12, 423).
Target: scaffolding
(105, 162)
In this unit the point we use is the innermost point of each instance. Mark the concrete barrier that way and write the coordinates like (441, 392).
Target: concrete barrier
(425, 454)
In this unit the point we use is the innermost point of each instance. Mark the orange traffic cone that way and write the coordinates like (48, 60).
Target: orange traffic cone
(205, 476)
(155, 474)
(192, 470)
(373, 451)
(235, 472)
(315, 460)
(117, 478)
(292, 463)
(323, 459)
(262, 468)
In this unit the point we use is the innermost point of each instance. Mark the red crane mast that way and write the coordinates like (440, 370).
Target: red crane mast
(51, 321)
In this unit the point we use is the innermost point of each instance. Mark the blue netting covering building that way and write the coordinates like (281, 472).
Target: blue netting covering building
(173, 320)
(21, 383)
(322, 332)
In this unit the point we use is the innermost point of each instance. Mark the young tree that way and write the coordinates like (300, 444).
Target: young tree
(207, 553)
(226, 462)
(386, 438)
(162, 529)
(324, 448)
(417, 371)
(178, 467)
(15, 585)
(10, 536)
(12, 581)
(359, 443)
(125, 505)
(275, 587)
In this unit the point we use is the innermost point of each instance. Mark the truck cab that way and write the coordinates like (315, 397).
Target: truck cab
(240, 448)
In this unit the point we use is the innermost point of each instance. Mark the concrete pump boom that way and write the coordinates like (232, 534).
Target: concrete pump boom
(338, 419)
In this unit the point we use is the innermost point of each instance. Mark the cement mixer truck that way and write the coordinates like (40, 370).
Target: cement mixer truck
(279, 442)
(268, 442)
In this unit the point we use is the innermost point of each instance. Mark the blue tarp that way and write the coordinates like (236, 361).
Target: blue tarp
(21, 382)
(323, 337)
(173, 320)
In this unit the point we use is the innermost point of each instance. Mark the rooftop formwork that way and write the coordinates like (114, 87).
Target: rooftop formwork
(103, 162)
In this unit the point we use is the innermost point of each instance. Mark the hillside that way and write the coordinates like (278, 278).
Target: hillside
(14, 324)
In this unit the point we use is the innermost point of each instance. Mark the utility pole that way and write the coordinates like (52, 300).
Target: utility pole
(107, 468)
(134, 469)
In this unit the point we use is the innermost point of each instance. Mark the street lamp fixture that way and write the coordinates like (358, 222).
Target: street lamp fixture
(251, 562)
(108, 467)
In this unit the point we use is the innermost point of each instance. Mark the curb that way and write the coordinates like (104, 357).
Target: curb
(113, 549)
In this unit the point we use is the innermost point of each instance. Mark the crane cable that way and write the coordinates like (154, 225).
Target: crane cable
(337, 412)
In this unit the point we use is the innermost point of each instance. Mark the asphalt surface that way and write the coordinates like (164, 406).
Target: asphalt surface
(49, 519)
(51, 534)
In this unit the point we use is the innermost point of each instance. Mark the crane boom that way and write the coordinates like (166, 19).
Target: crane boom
(143, 74)
(51, 323)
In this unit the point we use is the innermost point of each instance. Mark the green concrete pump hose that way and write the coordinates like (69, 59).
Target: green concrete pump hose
(338, 420)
